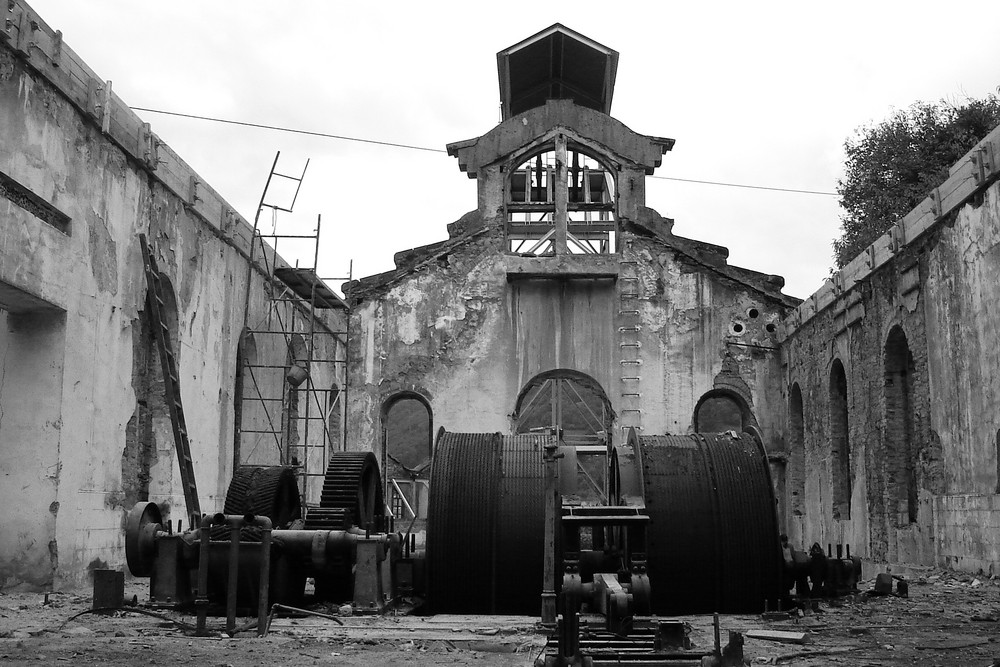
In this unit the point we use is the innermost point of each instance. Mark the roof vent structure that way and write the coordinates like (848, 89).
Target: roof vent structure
(556, 63)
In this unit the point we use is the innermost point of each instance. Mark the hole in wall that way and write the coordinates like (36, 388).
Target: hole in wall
(753, 313)
(736, 327)
(770, 327)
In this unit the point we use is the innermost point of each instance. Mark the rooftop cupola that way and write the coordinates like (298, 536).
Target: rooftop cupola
(556, 63)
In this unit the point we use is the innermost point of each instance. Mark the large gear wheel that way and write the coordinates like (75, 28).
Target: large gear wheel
(262, 491)
(351, 496)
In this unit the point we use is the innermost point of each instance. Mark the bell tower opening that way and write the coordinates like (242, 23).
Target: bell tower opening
(561, 206)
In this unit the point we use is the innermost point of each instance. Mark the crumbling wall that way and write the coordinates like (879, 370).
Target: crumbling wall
(917, 341)
(460, 332)
(74, 196)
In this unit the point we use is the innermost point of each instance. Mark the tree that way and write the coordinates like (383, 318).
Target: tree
(892, 166)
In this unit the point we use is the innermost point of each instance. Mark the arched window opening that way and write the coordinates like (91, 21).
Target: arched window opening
(840, 445)
(576, 406)
(408, 436)
(245, 414)
(796, 452)
(549, 213)
(900, 454)
(573, 402)
(720, 411)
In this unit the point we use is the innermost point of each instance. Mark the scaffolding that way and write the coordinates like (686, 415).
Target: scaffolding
(292, 363)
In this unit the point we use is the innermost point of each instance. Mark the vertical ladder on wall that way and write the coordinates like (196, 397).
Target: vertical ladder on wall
(629, 358)
(171, 381)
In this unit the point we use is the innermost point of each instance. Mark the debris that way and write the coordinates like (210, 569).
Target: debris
(952, 643)
(778, 636)
(883, 584)
(775, 616)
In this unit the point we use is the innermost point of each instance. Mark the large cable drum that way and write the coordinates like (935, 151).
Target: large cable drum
(713, 536)
(485, 524)
(520, 536)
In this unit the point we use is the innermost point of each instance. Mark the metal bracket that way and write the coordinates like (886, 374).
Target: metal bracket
(193, 197)
(935, 197)
(984, 164)
(870, 256)
(897, 237)
(150, 146)
(57, 44)
(99, 102)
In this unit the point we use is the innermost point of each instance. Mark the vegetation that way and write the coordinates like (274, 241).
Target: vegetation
(891, 166)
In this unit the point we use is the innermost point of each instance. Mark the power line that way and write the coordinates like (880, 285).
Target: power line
(742, 185)
(289, 129)
(438, 150)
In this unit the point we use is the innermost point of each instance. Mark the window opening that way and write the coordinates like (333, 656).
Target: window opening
(840, 445)
(572, 402)
(719, 413)
(796, 451)
(408, 434)
(548, 214)
(577, 406)
(900, 454)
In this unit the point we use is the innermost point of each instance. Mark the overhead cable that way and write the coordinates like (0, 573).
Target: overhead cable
(438, 150)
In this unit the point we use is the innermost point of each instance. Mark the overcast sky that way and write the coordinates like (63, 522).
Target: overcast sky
(754, 93)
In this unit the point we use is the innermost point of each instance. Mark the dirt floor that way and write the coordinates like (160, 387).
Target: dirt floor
(948, 620)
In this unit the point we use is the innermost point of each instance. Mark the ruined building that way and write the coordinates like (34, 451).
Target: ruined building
(85, 422)
(562, 299)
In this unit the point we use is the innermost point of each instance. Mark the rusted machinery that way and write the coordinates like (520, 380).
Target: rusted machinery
(604, 541)
(662, 525)
(259, 551)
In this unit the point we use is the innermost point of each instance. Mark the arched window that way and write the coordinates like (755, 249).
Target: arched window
(244, 414)
(407, 425)
(561, 200)
(571, 401)
(840, 445)
(719, 411)
(900, 454)
(796, 452)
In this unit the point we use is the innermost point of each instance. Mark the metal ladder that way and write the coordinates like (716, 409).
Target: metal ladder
(630, 358)
(171, 383)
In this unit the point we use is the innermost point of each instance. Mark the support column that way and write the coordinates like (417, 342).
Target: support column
(561, 193)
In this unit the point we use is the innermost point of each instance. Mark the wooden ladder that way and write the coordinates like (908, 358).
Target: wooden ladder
(171, 383)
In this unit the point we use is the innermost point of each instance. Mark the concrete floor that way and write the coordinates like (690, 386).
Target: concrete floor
(949, 620)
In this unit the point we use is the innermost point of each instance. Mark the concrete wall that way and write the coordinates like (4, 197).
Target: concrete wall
(84, 431)
(923, 443)
(459, 333)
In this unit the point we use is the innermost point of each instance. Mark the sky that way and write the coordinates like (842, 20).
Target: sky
(758, 94)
